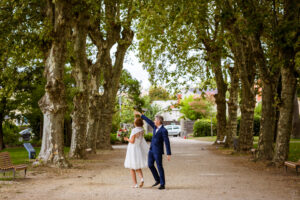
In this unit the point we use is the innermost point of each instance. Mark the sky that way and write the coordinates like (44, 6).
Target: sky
(132, 64)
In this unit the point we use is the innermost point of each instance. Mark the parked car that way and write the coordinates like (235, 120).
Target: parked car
(173, 130)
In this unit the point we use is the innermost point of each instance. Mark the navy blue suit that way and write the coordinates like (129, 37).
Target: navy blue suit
(157, 150)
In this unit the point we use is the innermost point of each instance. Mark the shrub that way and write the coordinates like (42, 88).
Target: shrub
(11, 134)
(148, 137)
(113, 138)
(202, 127)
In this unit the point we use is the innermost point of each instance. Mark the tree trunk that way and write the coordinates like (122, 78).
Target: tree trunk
(269, 78)
(107, 99)
(2, 146)
(232, 107)
(244, 59)
(220, 99)
(53, 103)
(247, 75)
(104, 127)
(80, 101)
(296, 120)
(268, 121)
(286, 115)
(287, 52)
(214, 56)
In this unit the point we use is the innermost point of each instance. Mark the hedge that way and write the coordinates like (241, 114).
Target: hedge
(202, 127)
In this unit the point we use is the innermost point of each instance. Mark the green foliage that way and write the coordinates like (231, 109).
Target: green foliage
(257, 111)
(158, 93)
(151, 110)
(113, 138)
(148, 137)
(130, 89)
(11, 134)
(195, 108)
(202, 127)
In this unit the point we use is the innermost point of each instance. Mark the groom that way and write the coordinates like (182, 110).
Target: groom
(160, 135)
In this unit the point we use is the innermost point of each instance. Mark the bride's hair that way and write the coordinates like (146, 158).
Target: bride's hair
(139, 122)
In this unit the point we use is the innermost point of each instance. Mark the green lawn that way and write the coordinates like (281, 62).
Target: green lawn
(19, 155)
(294, 154)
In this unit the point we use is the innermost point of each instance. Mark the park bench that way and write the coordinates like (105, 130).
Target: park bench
(6, 165)
(221, 142)
(295, 165)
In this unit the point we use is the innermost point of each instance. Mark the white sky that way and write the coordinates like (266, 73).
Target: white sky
(132, 64)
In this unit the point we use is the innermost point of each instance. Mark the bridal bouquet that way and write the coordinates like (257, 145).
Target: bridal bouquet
(122, 133)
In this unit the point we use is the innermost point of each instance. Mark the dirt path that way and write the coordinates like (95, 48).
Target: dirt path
(196, 171)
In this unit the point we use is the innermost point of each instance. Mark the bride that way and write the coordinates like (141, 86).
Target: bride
(137, 152)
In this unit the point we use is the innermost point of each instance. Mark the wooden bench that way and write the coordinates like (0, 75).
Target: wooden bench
(294, 165)
(6, 165)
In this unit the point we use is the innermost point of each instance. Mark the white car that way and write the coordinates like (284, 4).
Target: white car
(173, 130)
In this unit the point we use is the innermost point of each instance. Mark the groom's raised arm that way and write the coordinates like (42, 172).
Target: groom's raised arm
(149, 121)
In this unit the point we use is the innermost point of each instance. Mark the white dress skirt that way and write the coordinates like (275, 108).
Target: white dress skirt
(137, 153)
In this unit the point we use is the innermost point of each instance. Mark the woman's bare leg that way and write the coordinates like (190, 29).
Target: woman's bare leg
(133, 175)
(140, 173)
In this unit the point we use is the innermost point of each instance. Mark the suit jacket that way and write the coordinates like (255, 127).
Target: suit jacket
(159, 138)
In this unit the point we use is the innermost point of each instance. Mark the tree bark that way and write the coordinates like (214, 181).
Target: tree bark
(109, 72)
(231, 127)
(220, 99)
(80, 101)
(214, 53)
(296, 120)
(286, 115)
(268, 121)
(269, 76)
(53, 103)
(245, 60)
(111, 86)
(287, 52)
(2, 146)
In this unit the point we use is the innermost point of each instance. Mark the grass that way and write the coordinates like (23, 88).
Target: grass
(294, 152)
(19, 155)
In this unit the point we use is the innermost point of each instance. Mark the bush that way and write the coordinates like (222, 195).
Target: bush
(148, 137)
(11, 134)
(113, 138)
(256, 125)
(202, 128)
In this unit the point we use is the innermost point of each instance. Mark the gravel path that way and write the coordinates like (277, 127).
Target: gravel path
(196, 171)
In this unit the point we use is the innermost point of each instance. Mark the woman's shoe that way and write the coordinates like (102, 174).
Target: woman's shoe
(135, 186)
(141, 183)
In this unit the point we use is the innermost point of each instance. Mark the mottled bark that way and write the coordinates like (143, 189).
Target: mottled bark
(213, 48)
(269, 76)
(268, 121)
(246, 64)
(286, 115)
(220, 99)
(287, 52)
(231, 127)
(80, 101)
(110, 72)
(53, 103)
(296, 119)
(1, 133)
(244, 59)
(111, 86)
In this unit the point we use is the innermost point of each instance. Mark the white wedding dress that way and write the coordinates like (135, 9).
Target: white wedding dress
(137, 153)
